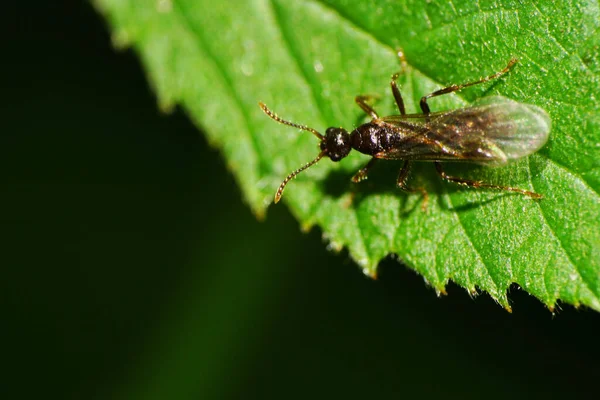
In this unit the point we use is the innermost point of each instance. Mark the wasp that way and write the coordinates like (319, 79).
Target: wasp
(492, 131)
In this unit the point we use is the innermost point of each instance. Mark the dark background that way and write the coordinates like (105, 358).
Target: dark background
(132, 269)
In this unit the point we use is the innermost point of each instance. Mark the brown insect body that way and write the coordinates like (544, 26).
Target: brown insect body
(493, 131)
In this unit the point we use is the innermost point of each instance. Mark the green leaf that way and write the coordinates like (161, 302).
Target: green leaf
(307, 60)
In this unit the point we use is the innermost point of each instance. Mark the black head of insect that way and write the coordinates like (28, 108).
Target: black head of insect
(335, 144)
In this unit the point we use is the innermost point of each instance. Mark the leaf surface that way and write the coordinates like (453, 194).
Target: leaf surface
(307, 60)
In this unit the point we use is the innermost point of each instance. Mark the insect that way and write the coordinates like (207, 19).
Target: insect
(492, 131)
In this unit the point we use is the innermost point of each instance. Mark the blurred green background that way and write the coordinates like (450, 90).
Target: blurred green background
(131, 268)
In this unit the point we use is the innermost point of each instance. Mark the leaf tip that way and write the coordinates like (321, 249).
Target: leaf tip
(120, 39)
(370, 272)
(165, 105)
(306, 227)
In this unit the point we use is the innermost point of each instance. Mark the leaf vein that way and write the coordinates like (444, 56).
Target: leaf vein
(556, 41)
(262, 162)
(567, 253)
(311, 83)
(575, 175)
(472, 245)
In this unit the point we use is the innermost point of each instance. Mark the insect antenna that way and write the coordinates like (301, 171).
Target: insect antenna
(274, 116)
(296, 172)
(291, 176)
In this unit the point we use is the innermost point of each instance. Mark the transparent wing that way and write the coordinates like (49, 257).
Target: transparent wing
(494, 130)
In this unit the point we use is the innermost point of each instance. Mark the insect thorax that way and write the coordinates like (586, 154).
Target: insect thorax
(372, 138)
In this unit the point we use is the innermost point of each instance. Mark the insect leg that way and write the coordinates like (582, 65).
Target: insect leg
(362, 103)
(361, 175)
(401, 183)
(397, 95)
(479, 184)
(454, 88)
(394, 85)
